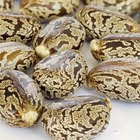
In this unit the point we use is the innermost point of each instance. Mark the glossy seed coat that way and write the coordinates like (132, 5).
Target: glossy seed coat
(21, 102)
(117, 78)
(18, 28)
(14, 55)
(128, 7)
(116, 46)
(60, 74)
(77, 118)
(100, 22)
(60, 34)
(48, 9)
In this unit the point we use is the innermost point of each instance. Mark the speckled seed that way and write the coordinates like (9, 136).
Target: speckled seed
(18, 28)
(21, 102)
(128, 7)
(100, 22)
(117, 78)
(60, 74)
(48, 9)
(15, 55)
(77, 118)
(60, 34)
(6, 5)
(116, 46)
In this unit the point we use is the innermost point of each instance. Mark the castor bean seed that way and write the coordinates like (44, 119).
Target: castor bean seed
(100, 22)
(116, 46)
(18, 28)
(21, 102)
(48, 9)
(60, 74)
(128, 7)
(60, 34)
(77, 118)
(117, 78)
(14, 55)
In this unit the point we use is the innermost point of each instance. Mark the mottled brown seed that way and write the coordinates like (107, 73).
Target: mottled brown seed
(48, 9)
(77, 118)
(117, 78)
(128, 7)
(116, 46)
(60, 34)
(100, 22)
(60, 74)
(21, 102)
(18, 28)
(6, 5)
(15, 55)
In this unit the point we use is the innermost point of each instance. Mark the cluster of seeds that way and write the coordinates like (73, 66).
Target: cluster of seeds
(115, 39)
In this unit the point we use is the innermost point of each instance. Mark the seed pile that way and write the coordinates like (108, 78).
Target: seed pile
(58, 68)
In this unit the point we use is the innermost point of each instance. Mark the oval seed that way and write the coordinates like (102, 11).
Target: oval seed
(48, 9)
(77, 118)
(129, 7)
(100, 22)
(14, 55)
(18, 28)
(116, 46)
(21, 102)
(60, 74)
(117, 78)
(60, 34)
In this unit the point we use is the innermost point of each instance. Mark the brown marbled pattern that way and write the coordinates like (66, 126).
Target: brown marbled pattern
(77, 118)
(14, 55)
(117, 78)
(18, 28)
(60, 34)
(19, 95)
(128, 7)
(60, 74)
(116, 46)
(100, 22)
(48, 9)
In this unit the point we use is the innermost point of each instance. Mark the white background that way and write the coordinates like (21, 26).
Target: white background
(124, 123)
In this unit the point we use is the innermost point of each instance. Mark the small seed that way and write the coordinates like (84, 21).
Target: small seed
(129, 7)
(48, 9)
(60, 74)
(14, 55)
(21, 102)
(100, 22)
(18, 28)
(60, 34)
(116, 46)
(117, 78)
(76, 118)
